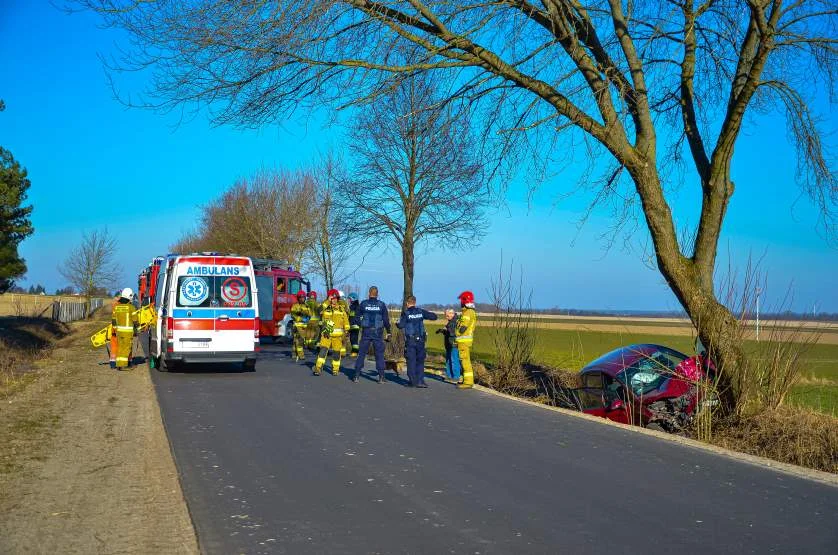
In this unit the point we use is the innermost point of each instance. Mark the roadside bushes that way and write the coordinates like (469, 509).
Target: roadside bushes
(511, 334)
(791, 435)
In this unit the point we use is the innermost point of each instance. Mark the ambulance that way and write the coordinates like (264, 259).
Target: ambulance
(208, 311)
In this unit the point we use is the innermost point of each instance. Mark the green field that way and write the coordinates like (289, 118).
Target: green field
(573, 349)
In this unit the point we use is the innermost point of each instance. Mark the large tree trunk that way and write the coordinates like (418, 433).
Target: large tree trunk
(407, 268)
(691, 279)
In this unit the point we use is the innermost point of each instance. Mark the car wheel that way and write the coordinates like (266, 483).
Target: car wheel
(249, 366)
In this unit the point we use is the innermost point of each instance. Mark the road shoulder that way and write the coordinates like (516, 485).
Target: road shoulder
(87, 466)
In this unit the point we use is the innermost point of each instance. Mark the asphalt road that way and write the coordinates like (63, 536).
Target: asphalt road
(280, 461)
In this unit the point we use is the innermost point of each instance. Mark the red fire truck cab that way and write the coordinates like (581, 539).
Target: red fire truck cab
(147, 281)
(278, 284)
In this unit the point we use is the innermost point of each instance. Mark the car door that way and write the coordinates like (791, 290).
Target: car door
(618, 406)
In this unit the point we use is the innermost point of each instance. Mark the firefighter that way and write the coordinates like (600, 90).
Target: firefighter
(354, 322)
(313, 328)
(112, 340)
(300, 314)
(465, 337)
(124, 322)
(345, 306)
(335, 322)
(375, 329)
(412, 321)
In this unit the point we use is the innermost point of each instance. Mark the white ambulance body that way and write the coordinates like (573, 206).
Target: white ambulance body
(208, 311)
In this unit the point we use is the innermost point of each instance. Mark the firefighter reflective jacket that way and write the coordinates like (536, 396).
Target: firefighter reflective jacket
(465, 325)
(335, 321)
(314, 309)
(124, 318)
(300, 311)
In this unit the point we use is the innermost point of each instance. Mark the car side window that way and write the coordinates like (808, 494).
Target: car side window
(592, 380)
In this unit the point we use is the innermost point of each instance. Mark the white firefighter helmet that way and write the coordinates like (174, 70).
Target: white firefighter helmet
(127, 293)
(341, 294)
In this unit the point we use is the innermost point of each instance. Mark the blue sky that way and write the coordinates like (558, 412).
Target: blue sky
(94, 163)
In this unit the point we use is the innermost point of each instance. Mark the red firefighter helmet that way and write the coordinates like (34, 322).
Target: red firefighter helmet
(333, 293)
(466, 297)
(312, 294)
(301, 294)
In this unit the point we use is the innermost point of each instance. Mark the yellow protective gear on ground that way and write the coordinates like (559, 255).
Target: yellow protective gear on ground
(337, 322)
(124, 322)
(466, 324)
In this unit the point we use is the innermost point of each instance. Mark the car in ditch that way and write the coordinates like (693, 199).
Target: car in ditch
(646, 385)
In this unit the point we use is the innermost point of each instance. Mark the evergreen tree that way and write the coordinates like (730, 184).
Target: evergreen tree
(15, 225)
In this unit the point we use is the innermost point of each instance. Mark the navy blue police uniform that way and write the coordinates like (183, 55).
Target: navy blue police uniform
(374, 321)
(412, 321)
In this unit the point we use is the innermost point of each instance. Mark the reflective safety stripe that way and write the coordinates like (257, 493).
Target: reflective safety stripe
(122, 358)
(354, 327)
(125, 328)
(465, 337)
(336, 333)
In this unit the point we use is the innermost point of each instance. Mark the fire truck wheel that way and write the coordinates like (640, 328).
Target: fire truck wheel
(249, 366)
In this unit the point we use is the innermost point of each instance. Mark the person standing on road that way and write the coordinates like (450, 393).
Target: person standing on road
(313, 328)
(300, 313)
(334, 324)
(465, 337)
(375, 327)
(354, 322)
(124, 322)
(452, 354)
(412, 321)
(344, 305)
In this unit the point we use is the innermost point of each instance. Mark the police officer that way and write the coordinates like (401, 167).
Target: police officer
(412, 321)
(354, 322)
(375, 322)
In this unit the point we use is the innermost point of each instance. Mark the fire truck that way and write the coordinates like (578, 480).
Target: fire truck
(147, 281)
(278, 284)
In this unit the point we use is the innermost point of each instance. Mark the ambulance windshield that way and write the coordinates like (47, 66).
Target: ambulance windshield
(213, 291)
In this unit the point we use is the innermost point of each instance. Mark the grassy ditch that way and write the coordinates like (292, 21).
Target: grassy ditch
(802, 430)
(24, 341)
(571, 350)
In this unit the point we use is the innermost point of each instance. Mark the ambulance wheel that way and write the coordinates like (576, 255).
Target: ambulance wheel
(168, 366)
(249, 365)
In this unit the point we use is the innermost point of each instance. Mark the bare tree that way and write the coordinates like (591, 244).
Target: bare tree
(334, 243)
(90, 267)
(640, 83)
(416, 176)
(272, 214)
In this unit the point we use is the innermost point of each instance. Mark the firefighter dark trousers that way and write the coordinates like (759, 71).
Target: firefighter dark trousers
(371, 336)
(414, 354)
(353, 339)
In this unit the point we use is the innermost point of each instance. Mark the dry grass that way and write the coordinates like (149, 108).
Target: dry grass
(787, 434)
(24, 341)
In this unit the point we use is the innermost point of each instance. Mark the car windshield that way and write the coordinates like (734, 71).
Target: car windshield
(649, 372)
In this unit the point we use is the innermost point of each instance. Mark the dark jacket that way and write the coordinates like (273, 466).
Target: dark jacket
(449, 331)
(412, 321)
(373, 316)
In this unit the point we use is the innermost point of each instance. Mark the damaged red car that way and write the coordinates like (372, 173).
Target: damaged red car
(645, 384)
